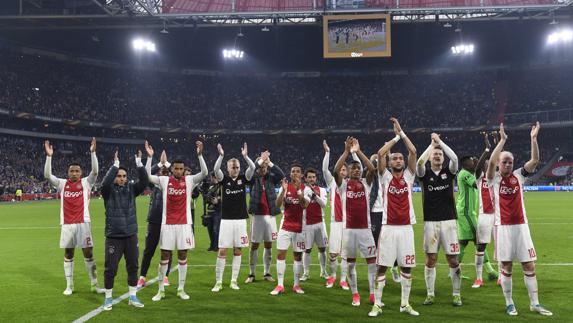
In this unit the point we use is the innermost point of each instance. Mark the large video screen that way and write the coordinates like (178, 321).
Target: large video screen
(356, 36)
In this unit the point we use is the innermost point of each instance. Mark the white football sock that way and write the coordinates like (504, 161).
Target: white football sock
(343, 270)
(267, 256)
(406, 283)
(182, 273)
(69, 271)
(456, 274)
(253, 259)
(91, 269)
(296, 269)
(507, 286)
(220, 269)
(108, 293)
(236, 268)
(430, 277)
(381, 282)
(306, 263)
(352, 277)
(479, 265)
(531, 284)
(281, 267)
(372, 268)
(162, 272)
(322, 261)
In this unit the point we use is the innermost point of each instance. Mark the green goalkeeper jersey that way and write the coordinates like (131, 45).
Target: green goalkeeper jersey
(467, 205)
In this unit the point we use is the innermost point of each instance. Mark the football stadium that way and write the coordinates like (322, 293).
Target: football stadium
(292, 160)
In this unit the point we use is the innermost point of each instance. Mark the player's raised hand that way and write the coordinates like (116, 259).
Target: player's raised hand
(116, 156)
(435, 139)
(163, 158)
(397, 127)
(93, 145)
(502, 134)
(284, 184)
(325, 146)
(220, 150)
(486, 140)
(348, 143)
(355, 146)
(535, 130)
(149, 149)
(199, 145)
(244, 150)
(138, 156)
(48, 148)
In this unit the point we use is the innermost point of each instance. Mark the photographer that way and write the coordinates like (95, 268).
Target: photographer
(212, 216)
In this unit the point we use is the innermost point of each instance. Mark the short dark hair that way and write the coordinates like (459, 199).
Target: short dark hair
(354, 162)
(178, 161)
(296, 164)
(310, 170)
(74, 163)
(464, 159)
(121, 167)
(438, 147)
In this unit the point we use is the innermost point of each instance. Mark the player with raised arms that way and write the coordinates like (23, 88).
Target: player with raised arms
(357, 235)
(75, 214)
(233, 229)
(176, 232)
(440, 227)
(513, 239)
(396, 242)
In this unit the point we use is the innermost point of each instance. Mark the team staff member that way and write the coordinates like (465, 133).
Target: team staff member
(121, 226)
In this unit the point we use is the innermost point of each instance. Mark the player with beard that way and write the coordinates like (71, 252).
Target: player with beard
(440, 227)
(396, 241)
(315, 229)
(513, 239)
(233, 228)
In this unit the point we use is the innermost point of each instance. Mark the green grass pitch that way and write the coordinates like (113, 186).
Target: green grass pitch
(32, 277)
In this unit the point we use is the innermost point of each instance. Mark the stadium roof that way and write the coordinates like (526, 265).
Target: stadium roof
(116, 14)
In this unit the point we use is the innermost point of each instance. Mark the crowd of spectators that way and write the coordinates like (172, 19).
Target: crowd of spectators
(81, 92)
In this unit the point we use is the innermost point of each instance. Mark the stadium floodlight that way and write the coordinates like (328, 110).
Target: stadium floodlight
(463, 49)
(561, 36)
(143, 45)
(233, 54)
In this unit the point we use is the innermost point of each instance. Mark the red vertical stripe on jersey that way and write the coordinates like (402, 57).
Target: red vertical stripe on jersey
(176, 207)
(337, 206)
(398, 202)
(73, 196)
(263, 207)
(356, 205)
(486, 201)
(510, 204)
(293, 210)
(313, 210)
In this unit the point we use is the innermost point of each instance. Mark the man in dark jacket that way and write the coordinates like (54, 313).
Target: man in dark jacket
(262, 206)
(154, 217)
(121, 226)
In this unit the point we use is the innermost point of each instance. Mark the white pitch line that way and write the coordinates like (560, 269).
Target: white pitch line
(98, 310)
